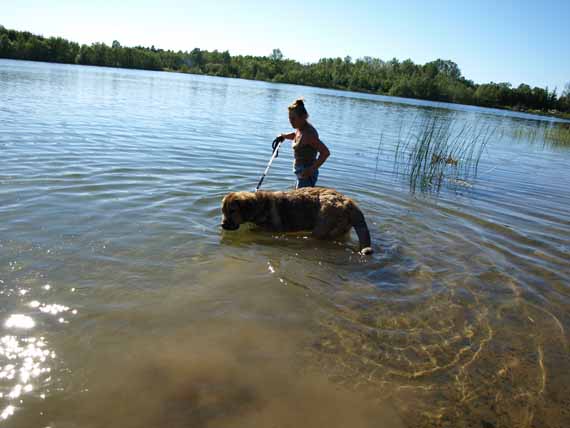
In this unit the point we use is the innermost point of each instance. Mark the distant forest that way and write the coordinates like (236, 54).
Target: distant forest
(439, 80)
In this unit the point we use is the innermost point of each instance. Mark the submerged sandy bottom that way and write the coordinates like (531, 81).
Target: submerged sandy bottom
(247, 345)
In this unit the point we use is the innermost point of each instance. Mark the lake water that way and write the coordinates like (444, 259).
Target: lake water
(122, 303)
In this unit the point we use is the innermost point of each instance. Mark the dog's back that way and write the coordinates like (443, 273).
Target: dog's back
(295, 210)
(325, 212)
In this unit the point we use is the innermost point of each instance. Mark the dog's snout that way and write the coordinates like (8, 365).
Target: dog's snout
(226, 225)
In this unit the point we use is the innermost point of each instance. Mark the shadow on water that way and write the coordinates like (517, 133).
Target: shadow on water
(235, 374)
(230, 350)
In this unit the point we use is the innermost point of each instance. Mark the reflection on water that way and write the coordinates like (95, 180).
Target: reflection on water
(25, 361)
(19, 321)
(123, 304)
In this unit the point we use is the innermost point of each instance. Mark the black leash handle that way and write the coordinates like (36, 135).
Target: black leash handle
(275, 145)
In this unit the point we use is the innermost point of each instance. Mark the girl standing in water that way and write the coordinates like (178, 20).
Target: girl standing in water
(306, 145)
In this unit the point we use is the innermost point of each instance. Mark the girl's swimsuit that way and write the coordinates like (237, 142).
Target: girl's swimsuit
(305, 157)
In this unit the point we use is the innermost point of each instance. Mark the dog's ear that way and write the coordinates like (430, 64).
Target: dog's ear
(227, 198)
(242, 204)
(231, 202)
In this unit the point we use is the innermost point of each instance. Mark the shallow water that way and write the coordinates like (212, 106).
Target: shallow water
(124, 304)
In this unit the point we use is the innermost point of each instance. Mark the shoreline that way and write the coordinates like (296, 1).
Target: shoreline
(552, 114)
(556, 114)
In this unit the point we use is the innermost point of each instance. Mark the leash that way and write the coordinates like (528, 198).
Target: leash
(276, 144)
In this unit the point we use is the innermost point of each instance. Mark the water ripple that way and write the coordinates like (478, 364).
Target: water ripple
(110, 190)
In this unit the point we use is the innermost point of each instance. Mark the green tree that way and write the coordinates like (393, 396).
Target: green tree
(276, 55)
(439, 80)
(6, 48)
(196, 58)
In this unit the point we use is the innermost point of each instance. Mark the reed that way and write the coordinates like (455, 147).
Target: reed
(558, 135)
(378, 154)
(440, 149)
(554, 135)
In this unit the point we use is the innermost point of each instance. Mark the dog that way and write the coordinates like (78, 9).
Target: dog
(325, 212)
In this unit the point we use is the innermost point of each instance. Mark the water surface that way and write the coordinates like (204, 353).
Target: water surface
(124, 304)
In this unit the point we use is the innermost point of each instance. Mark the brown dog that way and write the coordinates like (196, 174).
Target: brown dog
(325, 212)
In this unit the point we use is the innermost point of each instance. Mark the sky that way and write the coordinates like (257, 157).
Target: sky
(501, 40)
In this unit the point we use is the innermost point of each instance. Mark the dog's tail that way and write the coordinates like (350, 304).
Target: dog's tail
(361, 228)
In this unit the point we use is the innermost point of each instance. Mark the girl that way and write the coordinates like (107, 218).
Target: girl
(306, 145)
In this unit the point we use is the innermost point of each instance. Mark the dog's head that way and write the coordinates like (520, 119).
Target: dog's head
(236, 207)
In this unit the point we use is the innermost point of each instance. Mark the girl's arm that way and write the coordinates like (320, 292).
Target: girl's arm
(290, 136)
(324, 153)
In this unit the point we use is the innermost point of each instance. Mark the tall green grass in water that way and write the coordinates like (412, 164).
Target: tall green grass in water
(553, 135)
(439, 149)
(558, 135)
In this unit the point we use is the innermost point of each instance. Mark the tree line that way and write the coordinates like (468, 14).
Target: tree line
(439, 80)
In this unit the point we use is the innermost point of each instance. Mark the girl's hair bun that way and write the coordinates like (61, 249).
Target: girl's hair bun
(298, 107)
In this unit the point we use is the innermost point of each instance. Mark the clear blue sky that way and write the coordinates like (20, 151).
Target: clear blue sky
(513, 41)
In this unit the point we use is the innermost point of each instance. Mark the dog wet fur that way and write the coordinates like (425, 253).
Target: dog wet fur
(326, 213)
